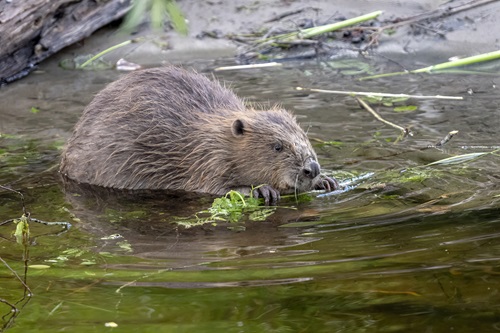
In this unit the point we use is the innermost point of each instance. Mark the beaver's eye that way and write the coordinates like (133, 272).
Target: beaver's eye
(278, 147)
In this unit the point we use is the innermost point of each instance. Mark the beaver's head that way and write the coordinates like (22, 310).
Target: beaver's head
(269, 147)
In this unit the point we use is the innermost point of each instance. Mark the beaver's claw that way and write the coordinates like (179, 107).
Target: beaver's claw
(269, 194)
(327, 183)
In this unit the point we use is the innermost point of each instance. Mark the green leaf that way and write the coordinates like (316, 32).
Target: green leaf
(39, 266)
(135, 15)
(405, 108)
(22, 230)
(458, 159)
(178, 20)
(158, 11)
(34, 110)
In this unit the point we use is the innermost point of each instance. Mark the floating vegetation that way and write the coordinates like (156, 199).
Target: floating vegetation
(232, 208)
(405, 108)
(460, 158)
(443, 66)
(349, 67)
(87, 62)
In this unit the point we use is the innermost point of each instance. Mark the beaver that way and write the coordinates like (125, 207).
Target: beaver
(172, 129)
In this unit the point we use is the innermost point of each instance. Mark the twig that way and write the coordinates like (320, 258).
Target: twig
(227, 68)
(374, 94)
(20, 194)
(405, 131)
(17, 276)
(445, 140)
(437, 32)
(435, 14)
(285, 14)
(438, 13)
(12, 306)
(348, 185)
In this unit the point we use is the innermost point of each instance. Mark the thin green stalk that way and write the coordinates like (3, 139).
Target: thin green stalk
(458, 159)
(460, 62)
(311, 32)
(315, 31)
(236, 193)
(176, 17)
(112, 48)
(383, 75)
(445, 65)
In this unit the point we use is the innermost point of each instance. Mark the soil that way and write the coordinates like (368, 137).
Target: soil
(440, 29)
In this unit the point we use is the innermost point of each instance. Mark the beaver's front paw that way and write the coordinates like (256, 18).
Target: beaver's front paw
(268, 193)
(327, 183)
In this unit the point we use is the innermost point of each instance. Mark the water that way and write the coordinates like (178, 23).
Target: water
(413, 249)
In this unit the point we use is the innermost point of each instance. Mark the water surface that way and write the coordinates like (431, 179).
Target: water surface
(413, 249)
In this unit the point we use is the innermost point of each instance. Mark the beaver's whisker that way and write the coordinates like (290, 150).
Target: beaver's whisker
(296, 188)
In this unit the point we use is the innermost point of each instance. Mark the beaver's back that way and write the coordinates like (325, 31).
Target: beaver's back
(171, 129)
(138, 119)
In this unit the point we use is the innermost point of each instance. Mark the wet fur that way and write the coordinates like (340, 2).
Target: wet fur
(167, 128)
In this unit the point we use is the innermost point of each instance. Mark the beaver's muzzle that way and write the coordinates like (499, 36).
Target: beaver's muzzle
(311, 169)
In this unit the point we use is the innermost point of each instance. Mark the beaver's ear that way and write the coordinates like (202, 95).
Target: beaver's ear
(238, 127)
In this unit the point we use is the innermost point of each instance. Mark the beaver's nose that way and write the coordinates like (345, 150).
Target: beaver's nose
(311, 170)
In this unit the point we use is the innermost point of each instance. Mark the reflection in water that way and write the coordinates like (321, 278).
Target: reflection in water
(406, 251)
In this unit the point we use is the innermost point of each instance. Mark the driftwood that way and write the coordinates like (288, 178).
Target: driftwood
(31, 31)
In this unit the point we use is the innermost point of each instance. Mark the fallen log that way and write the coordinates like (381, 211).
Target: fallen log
(31, 31)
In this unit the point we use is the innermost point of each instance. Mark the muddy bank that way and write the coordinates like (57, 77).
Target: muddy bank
(437, 29)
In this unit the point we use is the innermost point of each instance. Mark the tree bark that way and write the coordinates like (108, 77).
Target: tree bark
(32, 30)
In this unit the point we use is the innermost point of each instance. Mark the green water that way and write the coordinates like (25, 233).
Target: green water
(411, 250)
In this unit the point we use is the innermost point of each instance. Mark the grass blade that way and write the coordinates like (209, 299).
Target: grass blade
(176, 17)
(460, 62)
(311, 32)
(459, 159)
(445, 65)
(315, 31)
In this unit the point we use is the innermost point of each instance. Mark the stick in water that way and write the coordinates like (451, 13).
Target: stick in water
(267, 64)
(446, 139)
(374, 94)
(405, 131)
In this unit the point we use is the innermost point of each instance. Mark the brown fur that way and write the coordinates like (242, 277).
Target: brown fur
(167, 128)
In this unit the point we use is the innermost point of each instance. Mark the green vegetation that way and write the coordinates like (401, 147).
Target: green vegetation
(232, 208)
(445, 65)
(350, 67)
(315, 31)
(260, 43)
(22, 232)
(102, 64)
(159, 9)
(461, 158)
